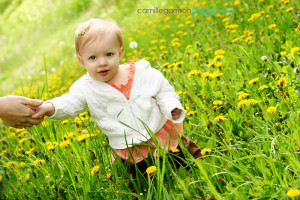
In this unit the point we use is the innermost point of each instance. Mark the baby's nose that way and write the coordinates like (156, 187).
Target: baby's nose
(102, 62)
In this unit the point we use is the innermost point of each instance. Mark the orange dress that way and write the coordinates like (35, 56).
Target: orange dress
(167, 135)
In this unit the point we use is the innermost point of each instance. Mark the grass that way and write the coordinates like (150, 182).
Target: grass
(254, 150)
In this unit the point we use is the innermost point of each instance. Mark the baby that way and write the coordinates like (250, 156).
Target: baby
(125, 100)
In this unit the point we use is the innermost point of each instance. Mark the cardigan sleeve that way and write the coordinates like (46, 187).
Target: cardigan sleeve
(69, 104)
(167, 99)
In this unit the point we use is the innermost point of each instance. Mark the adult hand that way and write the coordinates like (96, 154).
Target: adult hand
(16, 111)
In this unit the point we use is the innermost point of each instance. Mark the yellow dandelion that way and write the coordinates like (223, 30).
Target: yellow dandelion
(21, 164)
(263, 87)
(250, 102)
(190, 113)
(205, 75)
(272, 26)
(194, 72)
(218, 57)
(65, 144)
(165, 64)
(216, 74)
(242, 103)
(19, 130)
(83, 137)
(65, 121)
(289, 9)
(22, 140)
(204, 151)
(283, 53)
(109, 175)
(50, 146)
(45, 124)
(295, 50)
(282, 81)
(218, 102)
(12, 135)
(151, 169)
(95, 170)
(272, 109)
(242, 95)
(293, 193)
(0, 178)
(232, 26)
(253, 81)
(219, 52)
(195, 54)
(27, 176)
(220, 118)
(38, 162)
(178, 92)
(178, 64)
(219, 64)
(174, 150)
(236, 39)
(11, 163)
(210, 64)
(78, 121)
(69, 134)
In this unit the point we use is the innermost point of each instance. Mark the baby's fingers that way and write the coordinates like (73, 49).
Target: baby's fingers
(38, 115)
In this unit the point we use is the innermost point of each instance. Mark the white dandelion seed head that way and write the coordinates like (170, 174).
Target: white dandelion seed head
(133, 45)
(53, 69)
(62, 43)
(264, 58)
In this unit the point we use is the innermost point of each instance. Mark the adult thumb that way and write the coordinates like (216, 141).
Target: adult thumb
(33, 102)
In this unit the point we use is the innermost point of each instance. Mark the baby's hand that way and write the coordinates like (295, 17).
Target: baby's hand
(46, 108)
(176, 113)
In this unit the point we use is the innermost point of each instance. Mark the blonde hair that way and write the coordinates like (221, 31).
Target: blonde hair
(90, 30)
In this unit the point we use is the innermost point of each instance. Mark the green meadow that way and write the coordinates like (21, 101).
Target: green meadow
(236, 71)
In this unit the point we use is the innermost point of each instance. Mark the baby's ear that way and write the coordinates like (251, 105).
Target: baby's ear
(121, 52)
(80, 60)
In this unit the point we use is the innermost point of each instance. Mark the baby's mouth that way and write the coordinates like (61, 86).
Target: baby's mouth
(103, 72)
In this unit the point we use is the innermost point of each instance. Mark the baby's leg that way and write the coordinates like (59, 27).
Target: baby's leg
(191, 147)
(137, 173)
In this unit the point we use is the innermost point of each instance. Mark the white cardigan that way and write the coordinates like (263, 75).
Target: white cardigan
(123, 121)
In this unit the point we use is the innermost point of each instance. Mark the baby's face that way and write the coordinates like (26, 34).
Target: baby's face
(101, 58)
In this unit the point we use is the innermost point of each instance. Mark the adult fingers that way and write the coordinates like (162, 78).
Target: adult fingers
(34, 121)
(32, 102)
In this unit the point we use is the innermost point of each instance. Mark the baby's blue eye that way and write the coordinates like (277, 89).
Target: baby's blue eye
(109, 54)
(93, 57)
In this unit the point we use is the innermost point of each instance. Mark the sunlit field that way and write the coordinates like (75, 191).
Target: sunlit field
(237, 77)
